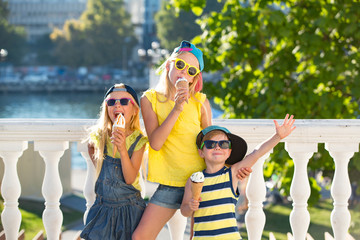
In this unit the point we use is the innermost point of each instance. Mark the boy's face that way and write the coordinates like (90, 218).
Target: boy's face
(217, 154)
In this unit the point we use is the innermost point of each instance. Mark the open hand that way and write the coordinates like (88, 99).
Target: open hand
(286, 128)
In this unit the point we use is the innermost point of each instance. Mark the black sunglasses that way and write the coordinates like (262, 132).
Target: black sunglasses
(123, 101)
(210, 144)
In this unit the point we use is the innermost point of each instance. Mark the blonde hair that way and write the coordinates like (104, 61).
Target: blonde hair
(103, 127)
(165, 87)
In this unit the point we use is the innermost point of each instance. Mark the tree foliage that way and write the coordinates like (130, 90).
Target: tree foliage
(102, 36)
(12, 38)
(174, 25)
(172, 29)
(279, 57)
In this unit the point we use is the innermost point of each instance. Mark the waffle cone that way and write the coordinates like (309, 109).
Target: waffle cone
(196, 188)
(120, 128)
(182, 84)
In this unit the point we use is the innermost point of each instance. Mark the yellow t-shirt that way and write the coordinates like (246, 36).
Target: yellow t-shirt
(178, 158)
(129, 141)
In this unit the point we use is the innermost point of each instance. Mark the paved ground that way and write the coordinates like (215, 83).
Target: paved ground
(76, 201)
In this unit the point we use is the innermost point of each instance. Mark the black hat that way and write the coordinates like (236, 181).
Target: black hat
(126, 89)
(238, 144)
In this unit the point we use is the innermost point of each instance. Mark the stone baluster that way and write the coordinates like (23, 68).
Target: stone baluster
(51, 151)
(10, 151)
(256, 193)
(89, 187)
(341, 188)
(300, 187)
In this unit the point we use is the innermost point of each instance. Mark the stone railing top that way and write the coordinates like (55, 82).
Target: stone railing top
(252, 130)
(307, 130)
(44, 129)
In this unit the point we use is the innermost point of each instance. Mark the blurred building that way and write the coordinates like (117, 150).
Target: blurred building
(136, 10)
(149, 35)
(40, 17)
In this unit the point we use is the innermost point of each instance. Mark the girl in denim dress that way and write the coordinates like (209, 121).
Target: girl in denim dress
(119, 206)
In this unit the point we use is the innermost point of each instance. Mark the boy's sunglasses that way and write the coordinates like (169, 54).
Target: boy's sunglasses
(181, 64)
(210, 144)
(123, 101)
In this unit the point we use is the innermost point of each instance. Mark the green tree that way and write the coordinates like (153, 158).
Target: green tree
(70, 44)
(174, 25)
(44, 48)
(12, 38)
(102, 36)
(276, 57)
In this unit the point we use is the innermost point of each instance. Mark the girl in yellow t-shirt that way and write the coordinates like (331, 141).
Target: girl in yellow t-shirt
(172, 117)
(119, 206)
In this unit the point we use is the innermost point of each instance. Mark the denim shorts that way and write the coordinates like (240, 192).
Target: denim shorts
(168, 197)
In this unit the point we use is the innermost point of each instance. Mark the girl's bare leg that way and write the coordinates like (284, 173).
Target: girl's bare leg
(152, 221)
(177, 226)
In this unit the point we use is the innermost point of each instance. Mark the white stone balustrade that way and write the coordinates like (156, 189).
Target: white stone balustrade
(341, 188)
(51, 151)
(52, 136)
(89, 193)
(255, 217)
(10, 151)
(300, 187)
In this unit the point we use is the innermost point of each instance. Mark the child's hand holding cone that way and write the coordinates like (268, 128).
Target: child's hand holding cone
(182, 83)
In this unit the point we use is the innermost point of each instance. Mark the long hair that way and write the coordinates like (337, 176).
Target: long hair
(103, 127)
(166, 88)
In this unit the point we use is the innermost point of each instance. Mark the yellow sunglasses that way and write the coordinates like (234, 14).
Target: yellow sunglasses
(181, 64)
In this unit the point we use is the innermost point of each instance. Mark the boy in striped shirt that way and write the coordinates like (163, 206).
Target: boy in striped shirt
(214, 212)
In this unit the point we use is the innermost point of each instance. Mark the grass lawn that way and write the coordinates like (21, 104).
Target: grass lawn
(277, 221)
(31, 212)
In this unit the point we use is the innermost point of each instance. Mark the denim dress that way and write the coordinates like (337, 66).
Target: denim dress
(118, 207)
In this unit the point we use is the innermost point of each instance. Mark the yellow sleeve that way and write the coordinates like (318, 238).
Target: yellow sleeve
(151, 96)
(94, 139)
(200, 96)
(141, 143)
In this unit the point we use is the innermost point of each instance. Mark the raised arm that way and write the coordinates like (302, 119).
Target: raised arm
(282, 131)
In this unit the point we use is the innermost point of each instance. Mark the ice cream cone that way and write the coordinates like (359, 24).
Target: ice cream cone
(196, 188)
(197, 183)
(182, 83)
(119, 124)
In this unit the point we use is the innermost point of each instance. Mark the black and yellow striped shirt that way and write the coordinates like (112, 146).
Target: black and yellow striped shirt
(215, 218)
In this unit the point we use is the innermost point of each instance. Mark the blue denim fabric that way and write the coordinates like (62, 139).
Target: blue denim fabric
(118, 207)
(168, 197)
